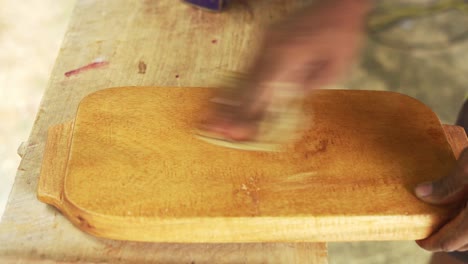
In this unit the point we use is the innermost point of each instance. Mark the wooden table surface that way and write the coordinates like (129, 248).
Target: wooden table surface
(135, 43)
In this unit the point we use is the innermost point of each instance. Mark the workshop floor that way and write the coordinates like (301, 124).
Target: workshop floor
(30, 36)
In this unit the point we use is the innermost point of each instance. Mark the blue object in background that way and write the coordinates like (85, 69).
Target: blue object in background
(214, 5)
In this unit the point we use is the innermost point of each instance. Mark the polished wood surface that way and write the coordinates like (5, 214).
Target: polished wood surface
(136, 171)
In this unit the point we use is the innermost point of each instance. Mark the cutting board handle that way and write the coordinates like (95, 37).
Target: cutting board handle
(51, 179)
(457, 138)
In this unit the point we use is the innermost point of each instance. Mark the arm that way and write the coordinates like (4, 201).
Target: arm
(312, 48)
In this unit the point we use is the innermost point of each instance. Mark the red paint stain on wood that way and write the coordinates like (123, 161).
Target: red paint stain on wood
(90, 66)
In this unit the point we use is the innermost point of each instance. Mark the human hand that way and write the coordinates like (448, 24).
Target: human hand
(310, 49)
(452, 189)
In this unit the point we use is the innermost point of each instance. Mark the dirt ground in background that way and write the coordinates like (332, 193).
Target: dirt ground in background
(30, 36)
(29, 43)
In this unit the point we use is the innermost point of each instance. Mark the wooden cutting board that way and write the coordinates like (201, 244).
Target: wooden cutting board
(130, 168)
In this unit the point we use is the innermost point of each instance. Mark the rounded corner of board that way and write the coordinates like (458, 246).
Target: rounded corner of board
(413, 101)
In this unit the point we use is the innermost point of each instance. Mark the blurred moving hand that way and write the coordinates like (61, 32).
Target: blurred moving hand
(310, 49)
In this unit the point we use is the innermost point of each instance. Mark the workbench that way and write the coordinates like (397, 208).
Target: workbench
(135, 43)
(139, 43)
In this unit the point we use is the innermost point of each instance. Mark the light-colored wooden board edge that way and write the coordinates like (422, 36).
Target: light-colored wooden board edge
(457, 138)
(54, 164)
(253, 229)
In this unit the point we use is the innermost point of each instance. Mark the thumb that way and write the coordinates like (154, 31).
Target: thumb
(449, 189)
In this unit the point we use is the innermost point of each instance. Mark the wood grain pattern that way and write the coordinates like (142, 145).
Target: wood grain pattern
(50, 187)
(457, 138)
(275, 253)
(125, 33)
(136, 171)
